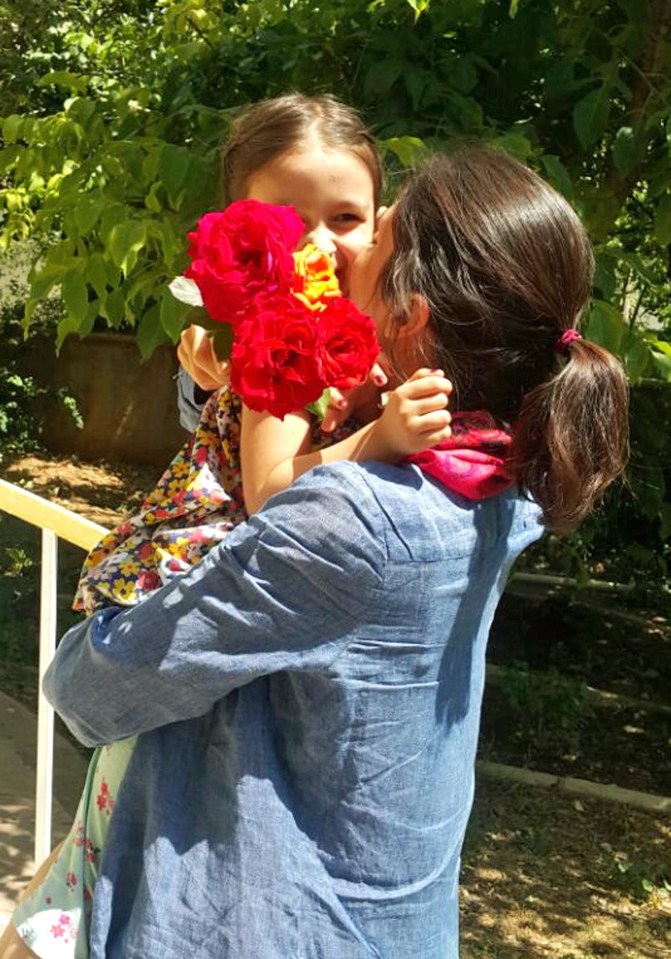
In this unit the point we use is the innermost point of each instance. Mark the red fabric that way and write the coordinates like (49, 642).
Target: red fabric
(472, 461)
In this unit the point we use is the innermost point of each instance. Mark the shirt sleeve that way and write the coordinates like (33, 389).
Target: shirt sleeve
(190, 401)
(285, 591)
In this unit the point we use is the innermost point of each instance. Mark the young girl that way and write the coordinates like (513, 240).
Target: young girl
(313, 154)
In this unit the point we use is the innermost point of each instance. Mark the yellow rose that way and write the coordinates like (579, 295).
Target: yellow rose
(315, 280)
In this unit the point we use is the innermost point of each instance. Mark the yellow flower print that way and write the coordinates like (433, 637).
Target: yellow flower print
(124, 590)
(129, 567)
(175, 486)
(180, 469)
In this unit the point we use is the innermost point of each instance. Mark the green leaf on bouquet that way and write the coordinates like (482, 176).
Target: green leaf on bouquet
(320, 406)
(222, 341)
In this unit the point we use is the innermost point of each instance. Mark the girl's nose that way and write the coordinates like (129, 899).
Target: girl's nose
(322, 238)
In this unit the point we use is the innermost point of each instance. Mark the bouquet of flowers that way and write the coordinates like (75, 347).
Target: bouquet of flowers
(293, 333)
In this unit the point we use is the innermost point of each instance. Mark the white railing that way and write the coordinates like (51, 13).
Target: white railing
(55, 522)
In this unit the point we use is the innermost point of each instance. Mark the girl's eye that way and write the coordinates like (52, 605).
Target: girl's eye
(347, 218)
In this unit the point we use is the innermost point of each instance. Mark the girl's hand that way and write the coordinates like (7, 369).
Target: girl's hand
(415, 416)
(361, 402)
(195, 352)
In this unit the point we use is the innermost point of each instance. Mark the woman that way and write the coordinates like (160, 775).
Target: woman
(308, 698)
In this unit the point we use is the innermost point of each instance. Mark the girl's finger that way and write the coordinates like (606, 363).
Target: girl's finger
(426, 404)
(423, 372)
(432, 422)
(428, 386)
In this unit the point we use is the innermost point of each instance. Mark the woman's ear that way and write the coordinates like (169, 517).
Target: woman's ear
(416, 319)
(381, 210)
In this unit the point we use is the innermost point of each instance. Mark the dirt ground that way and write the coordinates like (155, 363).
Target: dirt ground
(544, 876)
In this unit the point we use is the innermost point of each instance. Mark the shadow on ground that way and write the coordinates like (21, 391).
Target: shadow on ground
(548, 876)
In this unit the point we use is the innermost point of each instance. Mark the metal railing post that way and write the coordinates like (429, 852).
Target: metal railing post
(45, 713)
(55, 522)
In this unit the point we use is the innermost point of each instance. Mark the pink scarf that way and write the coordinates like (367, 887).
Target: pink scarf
(472, 461)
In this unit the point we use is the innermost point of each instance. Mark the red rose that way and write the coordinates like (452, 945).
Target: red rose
(276, 356)
(350, 344)
(241, 251)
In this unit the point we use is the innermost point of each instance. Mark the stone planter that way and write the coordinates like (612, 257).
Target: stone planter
(129, 407)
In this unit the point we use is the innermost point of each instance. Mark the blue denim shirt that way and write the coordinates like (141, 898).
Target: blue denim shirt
(308, 701)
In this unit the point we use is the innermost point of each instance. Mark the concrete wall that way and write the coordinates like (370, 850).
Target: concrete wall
(129, 407)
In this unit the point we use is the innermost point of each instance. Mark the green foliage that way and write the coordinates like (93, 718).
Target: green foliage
(22, 397)
(641, 879)
(543, 698)
(112, 115)
(110, 154)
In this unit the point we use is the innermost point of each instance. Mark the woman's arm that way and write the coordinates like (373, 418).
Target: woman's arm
(284, 591)
(276, 452)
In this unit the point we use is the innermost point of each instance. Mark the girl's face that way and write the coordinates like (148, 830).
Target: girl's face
(333, 193)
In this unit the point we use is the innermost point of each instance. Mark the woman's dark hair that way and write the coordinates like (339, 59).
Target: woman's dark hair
(506, 267)
(271, 127)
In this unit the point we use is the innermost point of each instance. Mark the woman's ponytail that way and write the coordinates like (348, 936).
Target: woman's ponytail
(571, 438)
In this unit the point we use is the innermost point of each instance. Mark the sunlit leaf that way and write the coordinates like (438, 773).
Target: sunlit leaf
(173, 315)
(75, 296)
(125, 242)
(626, 150)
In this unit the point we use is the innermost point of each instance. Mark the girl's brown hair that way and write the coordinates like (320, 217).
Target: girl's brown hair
(506, 267)
(270, 128)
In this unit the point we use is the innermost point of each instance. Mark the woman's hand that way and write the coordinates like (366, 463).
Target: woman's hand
(415, 417)
(195, 352)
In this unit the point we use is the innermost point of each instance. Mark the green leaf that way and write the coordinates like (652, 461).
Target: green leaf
(517, 145)
(626, 150)
(605, 326)
(87, 212)
(81, 109)
(63, 78)
(642, 268)
(173, 315)
(663, 220)
(125, 242)
(558, 174)
(409, 150)
(112, 215)
(662, 364)
(12, 128)
(173, 168)
(635, 352)
(44, 280)
(513, 8)
(590, 116)
(75, 295)
(150, 333)
(113, 307)
(382, 75)
(605, 276)
(152, 201)
(65, 327)
(419, 6)
(222, 341)
(96, 274)
(320, 406)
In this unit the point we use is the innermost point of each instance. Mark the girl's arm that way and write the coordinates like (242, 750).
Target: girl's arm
(275, 452)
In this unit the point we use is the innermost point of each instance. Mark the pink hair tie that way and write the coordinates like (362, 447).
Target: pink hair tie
(568, 336)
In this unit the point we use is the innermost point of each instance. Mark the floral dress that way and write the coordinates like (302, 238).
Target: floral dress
(197, 502)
